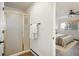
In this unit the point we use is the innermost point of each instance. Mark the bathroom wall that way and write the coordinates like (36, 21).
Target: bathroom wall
(42, 13)
(62, 9)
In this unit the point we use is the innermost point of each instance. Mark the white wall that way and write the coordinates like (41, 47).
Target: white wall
(43, 13)
(62, 9)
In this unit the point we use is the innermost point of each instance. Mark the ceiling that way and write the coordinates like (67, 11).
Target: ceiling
(62, 8)
(19, 5)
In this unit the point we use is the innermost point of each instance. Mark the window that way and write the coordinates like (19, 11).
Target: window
(69, 26)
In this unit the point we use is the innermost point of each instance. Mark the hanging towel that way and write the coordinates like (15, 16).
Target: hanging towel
(33, 31)
(34, 28)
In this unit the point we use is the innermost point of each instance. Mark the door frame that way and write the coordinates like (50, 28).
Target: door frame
(24, 25)
(54, 29)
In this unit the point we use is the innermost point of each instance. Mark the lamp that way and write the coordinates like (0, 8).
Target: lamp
(63, 25)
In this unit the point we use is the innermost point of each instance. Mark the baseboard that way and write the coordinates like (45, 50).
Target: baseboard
(33, 52)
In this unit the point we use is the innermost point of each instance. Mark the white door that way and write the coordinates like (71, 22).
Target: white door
(14, 33)
(1, 29)
(45, 15)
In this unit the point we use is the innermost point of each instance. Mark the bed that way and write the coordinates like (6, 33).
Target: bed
(63, 39)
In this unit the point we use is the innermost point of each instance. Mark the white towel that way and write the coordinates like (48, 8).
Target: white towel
(34, 28)
(33, 31)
